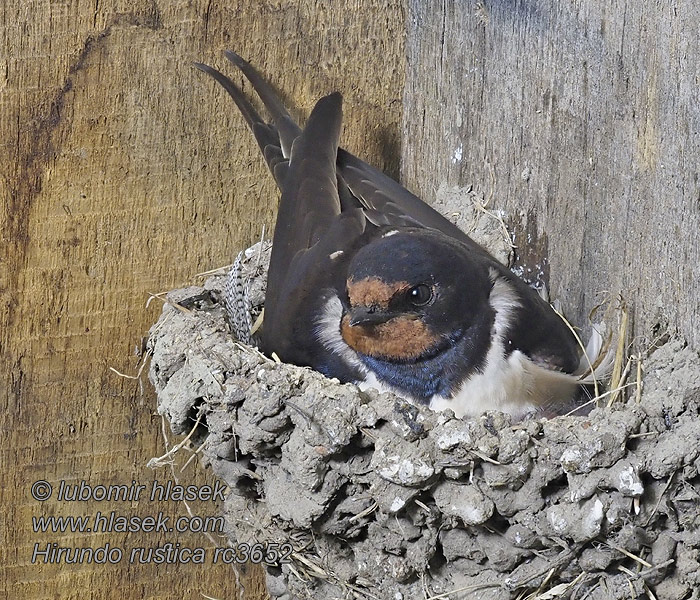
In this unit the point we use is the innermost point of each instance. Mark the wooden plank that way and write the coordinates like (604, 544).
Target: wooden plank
(581, 120)
(125, 172)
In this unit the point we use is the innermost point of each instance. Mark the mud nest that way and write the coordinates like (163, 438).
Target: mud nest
(384, 499)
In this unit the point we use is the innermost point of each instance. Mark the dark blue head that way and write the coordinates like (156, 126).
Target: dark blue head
(411, 292)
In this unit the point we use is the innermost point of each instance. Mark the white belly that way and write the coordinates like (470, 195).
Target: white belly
(513, 385)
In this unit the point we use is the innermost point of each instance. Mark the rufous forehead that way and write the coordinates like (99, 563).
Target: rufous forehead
(372, 291)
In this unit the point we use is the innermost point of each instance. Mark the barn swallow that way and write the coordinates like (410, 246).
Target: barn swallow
(370, 285)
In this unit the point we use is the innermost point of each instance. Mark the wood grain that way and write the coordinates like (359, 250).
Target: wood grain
(125, 172)
(581, 121)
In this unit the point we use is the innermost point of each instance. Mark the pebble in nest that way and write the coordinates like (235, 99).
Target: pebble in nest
(369, 284)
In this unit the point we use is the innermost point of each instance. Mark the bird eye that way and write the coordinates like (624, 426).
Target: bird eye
(420, 295)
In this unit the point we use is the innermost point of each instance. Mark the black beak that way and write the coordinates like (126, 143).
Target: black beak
(368, 316)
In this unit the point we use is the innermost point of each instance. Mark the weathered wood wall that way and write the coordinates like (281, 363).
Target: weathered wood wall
(125, 171)
(584, 119)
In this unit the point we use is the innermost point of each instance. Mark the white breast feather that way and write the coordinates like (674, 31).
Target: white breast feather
(328, 332)
(512, 384)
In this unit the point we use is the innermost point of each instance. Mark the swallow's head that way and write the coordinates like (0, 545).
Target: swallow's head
(411, 293)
